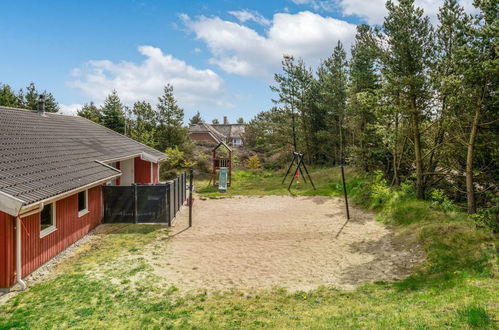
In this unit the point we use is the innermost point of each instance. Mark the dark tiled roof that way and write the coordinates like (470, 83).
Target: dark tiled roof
(44, 156)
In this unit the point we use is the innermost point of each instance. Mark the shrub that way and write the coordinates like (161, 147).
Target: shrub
(175, 161)
(253, 163)
(203, 164)
(272, 166)
(441, 201)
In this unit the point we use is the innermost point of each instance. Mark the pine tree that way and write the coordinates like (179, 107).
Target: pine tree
(406, 61)
(7, 96)
(292, 87)
(143, 127)
(112, 113)
(332, 80)
(170, 116)
(366, 150)
(480, 72)
(240, 120)
(51, 104)
(31, 97)
(196, 119)
(91, 112)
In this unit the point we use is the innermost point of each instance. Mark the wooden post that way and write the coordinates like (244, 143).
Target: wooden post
(230, 168)
(214, 171)
(345, 191)
(191, 174)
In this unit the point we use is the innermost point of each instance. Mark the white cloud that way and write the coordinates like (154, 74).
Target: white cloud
(69, 109)
(374, 11)
(145, 81)
(316, 4)
(250, 15)
(240, 50)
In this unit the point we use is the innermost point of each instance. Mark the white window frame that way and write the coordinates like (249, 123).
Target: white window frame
(85, 210)
(53, 228)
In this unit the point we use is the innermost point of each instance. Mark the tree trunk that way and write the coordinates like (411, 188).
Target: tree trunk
(396, 177)
(420, 189)
(470, 189)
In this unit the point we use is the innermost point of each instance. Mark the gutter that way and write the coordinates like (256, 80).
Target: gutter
(27, 208)
(143, 155)
(19, 264)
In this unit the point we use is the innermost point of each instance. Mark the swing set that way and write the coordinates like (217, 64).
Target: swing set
(300, 163)
(298, 160)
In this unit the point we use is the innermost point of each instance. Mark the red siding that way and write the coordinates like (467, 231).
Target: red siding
(7, 264)
(142, 171)
(203, 137)
(70, 228)
(35, 250)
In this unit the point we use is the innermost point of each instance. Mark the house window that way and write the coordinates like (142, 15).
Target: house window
(237, 142)
(47, 220)
(82, 203)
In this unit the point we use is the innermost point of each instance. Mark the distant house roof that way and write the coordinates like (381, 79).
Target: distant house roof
(220, 131)
(45, 156)
(207, 128)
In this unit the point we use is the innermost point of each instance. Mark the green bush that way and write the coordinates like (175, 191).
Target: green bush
(203, 164)
(272, 166)
(454, 242)
(441, 201)
(174, 163)
(253, 163)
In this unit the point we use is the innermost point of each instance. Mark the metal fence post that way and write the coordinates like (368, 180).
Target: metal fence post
(171, 200)
(135, 206)
(191, 172)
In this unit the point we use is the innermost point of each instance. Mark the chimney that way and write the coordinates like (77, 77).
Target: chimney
(41, 104)
(226, 121)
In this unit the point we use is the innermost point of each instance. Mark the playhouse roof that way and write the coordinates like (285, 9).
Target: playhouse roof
(221, 143)
(42, 156)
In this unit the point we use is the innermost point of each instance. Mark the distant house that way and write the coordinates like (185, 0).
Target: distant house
(216, 133)
(52, 169)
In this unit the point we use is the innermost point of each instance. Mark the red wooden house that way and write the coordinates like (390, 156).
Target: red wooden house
(52, 169)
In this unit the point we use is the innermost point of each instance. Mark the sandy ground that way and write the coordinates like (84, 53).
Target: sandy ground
(251, 243)
(298, 243)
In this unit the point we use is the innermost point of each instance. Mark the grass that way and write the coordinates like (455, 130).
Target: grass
(326, 180)
(109, 285)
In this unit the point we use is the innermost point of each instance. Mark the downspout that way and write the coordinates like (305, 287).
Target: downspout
(19, 263)
(18, 255)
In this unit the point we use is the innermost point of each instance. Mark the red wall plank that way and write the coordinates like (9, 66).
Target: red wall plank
(202, 137)
(142, 171)
(35, 250)
(7, 264)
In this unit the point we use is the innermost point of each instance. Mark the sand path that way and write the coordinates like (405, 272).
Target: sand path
(298, 243)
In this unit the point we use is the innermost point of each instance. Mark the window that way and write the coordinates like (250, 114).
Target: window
(237, 141)
(47, 220)
(82, 203)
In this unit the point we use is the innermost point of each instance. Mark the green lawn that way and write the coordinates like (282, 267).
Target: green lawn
(456, 288)
(326, 180)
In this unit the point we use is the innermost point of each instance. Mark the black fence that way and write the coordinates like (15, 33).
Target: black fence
(155, 203)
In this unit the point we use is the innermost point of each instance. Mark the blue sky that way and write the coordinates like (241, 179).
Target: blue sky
(219, 55)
